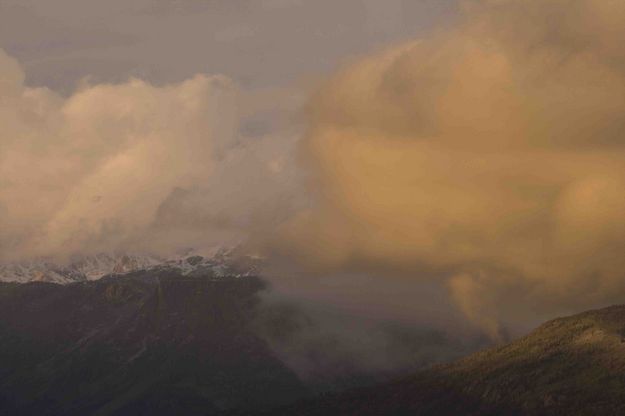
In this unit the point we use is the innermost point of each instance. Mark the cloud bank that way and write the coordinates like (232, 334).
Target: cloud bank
(490, 156)
(487, 158)
(129, 166)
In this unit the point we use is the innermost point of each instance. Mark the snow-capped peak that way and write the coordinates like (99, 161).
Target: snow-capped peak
(218, 263)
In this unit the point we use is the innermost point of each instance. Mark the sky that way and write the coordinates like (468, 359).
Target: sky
(258, 43)
(461, 158)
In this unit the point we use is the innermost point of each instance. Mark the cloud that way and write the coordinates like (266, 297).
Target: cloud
(130, 165)
(489, 155)
(485, 159)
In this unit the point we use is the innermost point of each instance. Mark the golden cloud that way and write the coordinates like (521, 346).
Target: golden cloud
(491, 154)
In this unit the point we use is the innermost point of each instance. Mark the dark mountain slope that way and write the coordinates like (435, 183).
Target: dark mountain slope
(147, 343)
(568, 366)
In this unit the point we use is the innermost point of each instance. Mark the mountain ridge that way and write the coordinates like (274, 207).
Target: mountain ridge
(572, 366)
(220, 262)
(146, 343)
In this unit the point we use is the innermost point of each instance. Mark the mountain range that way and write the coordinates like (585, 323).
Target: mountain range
(92, 267)
(189, 335)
